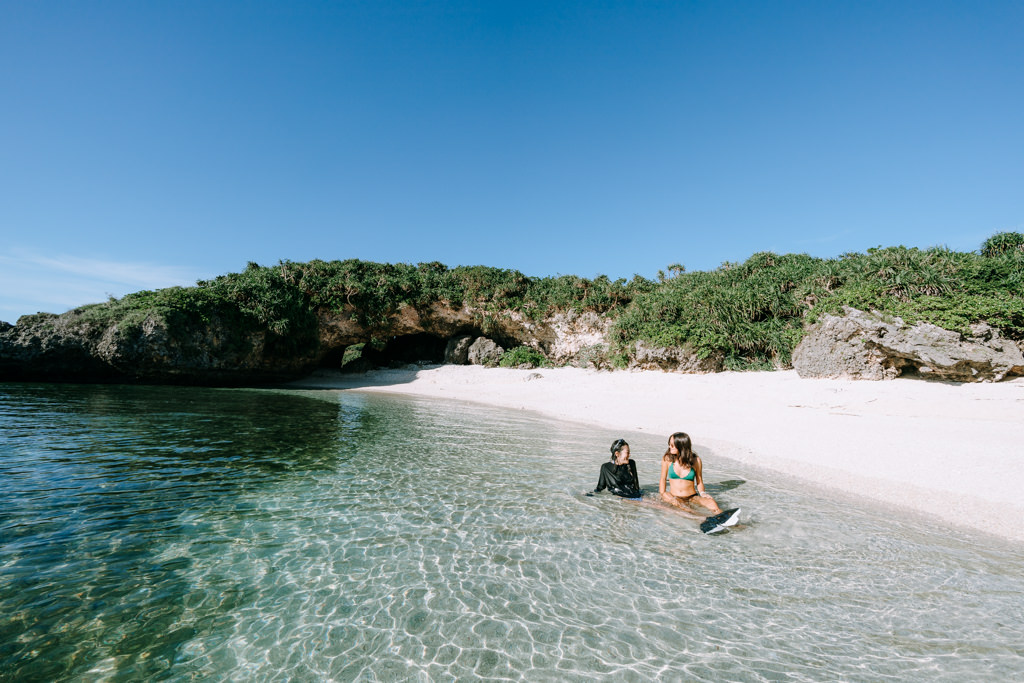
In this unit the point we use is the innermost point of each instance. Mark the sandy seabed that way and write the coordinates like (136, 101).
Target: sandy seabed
(953, 451)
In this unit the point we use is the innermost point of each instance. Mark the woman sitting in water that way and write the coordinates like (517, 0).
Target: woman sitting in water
(681, 480)
(619, 475)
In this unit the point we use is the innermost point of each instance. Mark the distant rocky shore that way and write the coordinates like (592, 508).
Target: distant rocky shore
(857, 345)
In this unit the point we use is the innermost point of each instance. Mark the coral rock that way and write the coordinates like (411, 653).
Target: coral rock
(861, 345)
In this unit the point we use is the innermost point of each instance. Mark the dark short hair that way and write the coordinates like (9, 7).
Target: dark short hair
(617, 446)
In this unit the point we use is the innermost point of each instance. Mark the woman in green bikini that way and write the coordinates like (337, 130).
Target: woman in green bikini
(681, 483)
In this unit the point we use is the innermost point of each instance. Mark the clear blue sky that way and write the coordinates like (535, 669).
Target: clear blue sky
(148, 144)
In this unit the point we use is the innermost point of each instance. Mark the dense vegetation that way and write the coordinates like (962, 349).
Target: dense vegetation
(750, 313)
(753, 312)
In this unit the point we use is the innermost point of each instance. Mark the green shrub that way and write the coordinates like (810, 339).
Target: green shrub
(1002, 243)
(352, 354)
(597, 356)
(522, 355)
(950, 289)
(754, 312)
(745, 311)
(375, 291)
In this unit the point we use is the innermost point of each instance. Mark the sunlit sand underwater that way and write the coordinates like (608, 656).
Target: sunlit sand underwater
(167, 533)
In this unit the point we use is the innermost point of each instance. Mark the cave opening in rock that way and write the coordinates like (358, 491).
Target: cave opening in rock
(411, 348)
(396, 352)
(333, 358)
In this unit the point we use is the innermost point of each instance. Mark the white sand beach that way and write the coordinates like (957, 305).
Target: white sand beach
(955, 452)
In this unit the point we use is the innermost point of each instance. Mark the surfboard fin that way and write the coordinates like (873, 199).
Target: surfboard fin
(720, 522)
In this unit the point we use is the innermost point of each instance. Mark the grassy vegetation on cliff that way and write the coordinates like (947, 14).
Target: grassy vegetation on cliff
(377, 290)
(251, 302)
(282, 300)
(751, 313)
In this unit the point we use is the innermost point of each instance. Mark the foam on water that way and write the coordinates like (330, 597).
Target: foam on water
(179, 534)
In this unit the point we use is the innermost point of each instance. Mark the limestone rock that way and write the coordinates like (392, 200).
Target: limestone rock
(673, 359)
(569, 337)
(82, 346)
(73, 347)
(51, 348)
(484, 351)
(457, 351)
(576, 338)
(859, 345)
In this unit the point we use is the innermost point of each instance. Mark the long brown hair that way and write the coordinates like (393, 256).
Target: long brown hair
(686, 457)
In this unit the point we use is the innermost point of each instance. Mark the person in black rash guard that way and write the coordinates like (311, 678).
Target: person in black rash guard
(619, 475)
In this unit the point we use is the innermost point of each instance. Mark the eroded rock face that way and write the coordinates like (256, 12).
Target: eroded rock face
(51, 347)
(457, 351)
(68, 348)
(74, 347)
(562, 338)
(484, 351)
(574, 334)
(861, 345)
(340, 329)
(673, 360)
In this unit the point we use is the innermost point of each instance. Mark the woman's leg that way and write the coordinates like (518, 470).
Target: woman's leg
(705, 501)
(681, 505)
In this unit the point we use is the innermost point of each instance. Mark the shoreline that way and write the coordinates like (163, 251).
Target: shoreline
(951, 451)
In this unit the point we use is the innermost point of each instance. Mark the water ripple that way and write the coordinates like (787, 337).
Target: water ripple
(182, 534)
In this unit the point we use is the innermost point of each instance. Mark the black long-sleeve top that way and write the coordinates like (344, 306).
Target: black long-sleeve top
(619, 479)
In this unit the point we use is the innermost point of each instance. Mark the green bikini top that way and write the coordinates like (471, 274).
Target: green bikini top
(690, 476)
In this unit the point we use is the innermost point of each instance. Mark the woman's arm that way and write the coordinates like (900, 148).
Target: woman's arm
(665, 495)
(698, 478)
(636, 477)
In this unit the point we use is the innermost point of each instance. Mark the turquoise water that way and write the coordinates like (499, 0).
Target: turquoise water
(164, 533)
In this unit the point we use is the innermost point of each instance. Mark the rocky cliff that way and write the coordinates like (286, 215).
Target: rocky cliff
(859, 345)
(217, 351)
(73, 347)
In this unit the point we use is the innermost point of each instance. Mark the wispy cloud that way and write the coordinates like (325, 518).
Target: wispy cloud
(30, 282)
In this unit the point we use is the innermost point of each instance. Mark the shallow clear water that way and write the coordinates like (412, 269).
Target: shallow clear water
(169, 533)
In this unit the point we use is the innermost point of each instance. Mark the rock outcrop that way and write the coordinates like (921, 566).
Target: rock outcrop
(457, 350)
(484, 351)
(574, 335)
(468, 350)
(861, 345)
(563, 338)
(72, 347)
(672, 359)
(77, 346)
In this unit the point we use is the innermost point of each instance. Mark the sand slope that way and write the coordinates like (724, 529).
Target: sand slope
(952, 451)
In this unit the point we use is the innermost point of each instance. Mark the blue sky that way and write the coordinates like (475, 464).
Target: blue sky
(149, 144)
